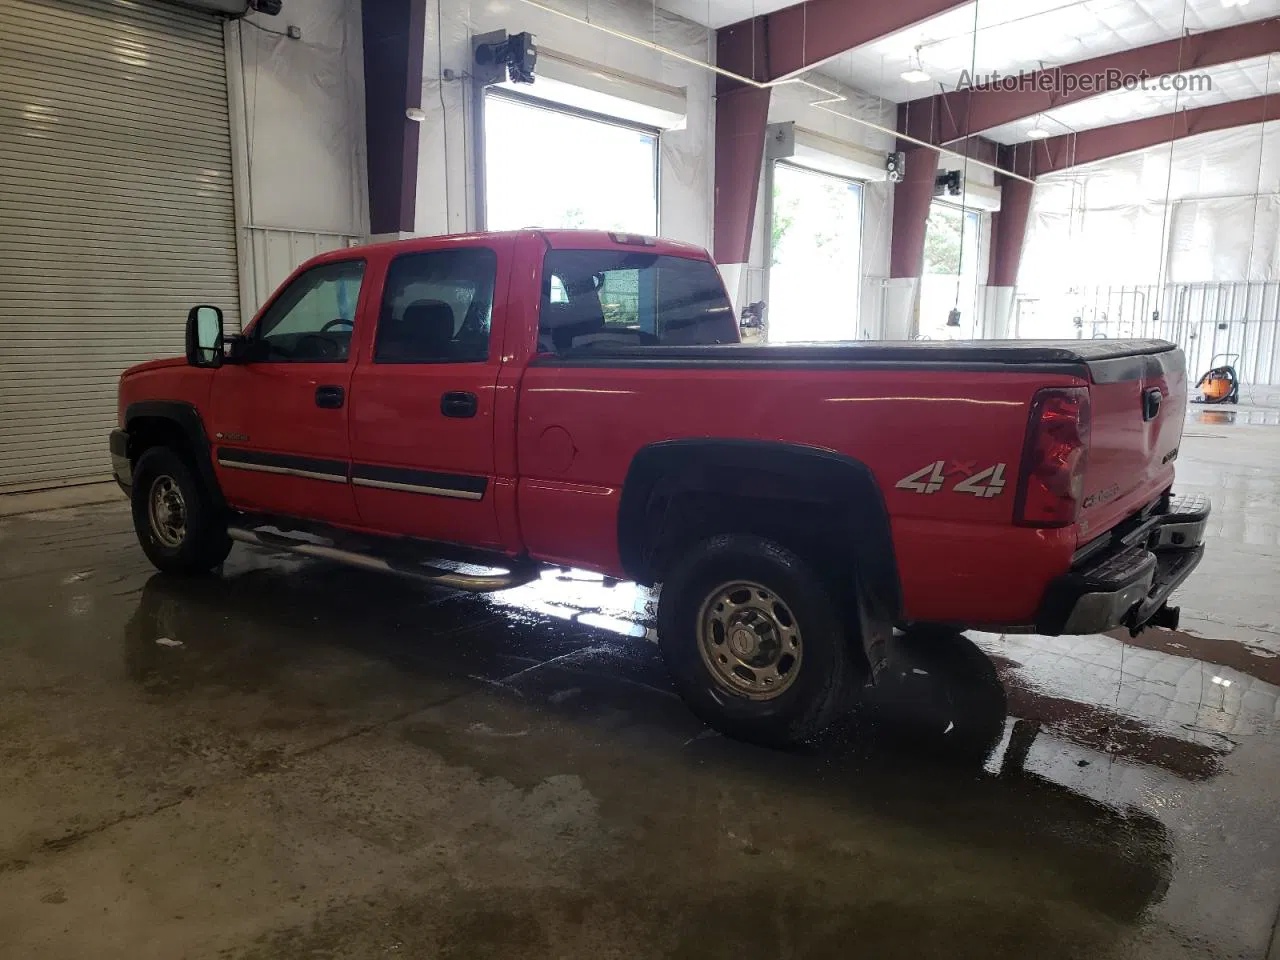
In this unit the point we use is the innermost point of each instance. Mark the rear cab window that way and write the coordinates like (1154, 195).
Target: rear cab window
(593, 299)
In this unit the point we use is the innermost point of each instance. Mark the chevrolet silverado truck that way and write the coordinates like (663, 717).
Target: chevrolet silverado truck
(469, 410)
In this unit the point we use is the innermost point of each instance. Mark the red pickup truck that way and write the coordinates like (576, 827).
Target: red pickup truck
(467, 409)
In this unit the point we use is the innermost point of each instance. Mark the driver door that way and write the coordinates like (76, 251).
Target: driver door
(278, 421)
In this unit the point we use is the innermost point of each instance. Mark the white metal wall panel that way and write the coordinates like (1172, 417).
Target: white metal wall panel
(116, 215)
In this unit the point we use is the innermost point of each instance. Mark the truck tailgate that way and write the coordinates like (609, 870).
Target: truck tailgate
(1138, 400)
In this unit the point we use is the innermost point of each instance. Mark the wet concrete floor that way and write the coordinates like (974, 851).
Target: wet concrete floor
(300, 760)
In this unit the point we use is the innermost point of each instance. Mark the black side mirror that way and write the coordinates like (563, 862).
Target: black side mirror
(204, 336)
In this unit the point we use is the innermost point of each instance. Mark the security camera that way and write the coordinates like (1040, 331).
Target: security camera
(517, 53)
(895, 166)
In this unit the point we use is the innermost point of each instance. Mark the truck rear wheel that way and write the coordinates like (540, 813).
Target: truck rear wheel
(756, 644)
(176, 522)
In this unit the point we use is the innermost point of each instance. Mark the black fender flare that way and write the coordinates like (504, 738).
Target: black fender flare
(187, 419)
(858, 525)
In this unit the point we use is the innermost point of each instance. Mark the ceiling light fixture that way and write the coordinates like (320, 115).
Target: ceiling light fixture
(1038, 133)
(916, 74)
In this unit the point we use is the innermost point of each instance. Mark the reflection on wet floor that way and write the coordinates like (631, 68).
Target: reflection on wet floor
(1221, 413)
(334, 763)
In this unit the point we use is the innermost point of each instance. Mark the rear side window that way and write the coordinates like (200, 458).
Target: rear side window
(437, 307)
(616, 297)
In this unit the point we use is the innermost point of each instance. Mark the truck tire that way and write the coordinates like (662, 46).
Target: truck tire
(180, 529)
(755, 642)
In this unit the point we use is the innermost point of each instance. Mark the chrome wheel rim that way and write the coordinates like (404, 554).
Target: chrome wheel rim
(749, 640)
(167, 511)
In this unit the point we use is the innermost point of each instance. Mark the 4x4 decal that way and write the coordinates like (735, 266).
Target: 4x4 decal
(932, 477)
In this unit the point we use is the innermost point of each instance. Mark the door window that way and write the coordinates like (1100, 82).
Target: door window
(437, 307)
(313, 319)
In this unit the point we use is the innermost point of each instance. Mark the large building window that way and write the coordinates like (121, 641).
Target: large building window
(815, 253)
(552, 167)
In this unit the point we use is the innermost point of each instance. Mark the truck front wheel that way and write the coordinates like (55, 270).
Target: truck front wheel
(177, 524)
(757, 646)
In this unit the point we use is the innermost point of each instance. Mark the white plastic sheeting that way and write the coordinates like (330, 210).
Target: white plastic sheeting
(297, 113)
(1179, 241)
(1201, 210)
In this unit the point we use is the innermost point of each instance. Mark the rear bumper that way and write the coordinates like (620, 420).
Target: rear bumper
(1127, 584)
(121, 467)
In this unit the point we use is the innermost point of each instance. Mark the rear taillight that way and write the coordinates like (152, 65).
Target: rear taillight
(1051, 481)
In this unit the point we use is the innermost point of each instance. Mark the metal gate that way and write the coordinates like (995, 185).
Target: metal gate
(1206, 319)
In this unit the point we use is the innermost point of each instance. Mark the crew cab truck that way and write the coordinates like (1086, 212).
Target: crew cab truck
(467, 409)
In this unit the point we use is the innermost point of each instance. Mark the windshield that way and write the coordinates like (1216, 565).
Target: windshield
(592, 297)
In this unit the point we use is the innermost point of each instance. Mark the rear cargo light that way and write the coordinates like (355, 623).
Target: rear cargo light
(1051, 481)
(634, 239)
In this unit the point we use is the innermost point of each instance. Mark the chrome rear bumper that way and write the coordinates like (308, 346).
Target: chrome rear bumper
(1128, 584)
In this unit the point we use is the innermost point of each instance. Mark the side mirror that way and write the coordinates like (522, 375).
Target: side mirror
(204, 336)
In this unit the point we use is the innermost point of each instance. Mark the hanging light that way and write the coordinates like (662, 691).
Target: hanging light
(916, 74)
(1038, 133)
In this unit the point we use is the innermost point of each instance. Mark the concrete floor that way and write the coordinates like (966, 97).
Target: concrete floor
(298, 760)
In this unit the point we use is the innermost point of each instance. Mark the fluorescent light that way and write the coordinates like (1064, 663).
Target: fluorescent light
(1037, 133)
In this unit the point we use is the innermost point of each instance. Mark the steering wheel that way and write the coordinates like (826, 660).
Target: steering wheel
(326, 348)
(339, 322)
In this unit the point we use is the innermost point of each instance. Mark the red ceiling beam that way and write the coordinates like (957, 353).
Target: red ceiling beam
(951, 116)
(1037, 157)
(778, 44)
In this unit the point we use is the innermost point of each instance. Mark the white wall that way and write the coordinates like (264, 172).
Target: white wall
(298, 133)
(446, 171)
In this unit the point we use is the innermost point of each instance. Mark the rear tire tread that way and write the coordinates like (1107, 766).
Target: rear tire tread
(829, 669)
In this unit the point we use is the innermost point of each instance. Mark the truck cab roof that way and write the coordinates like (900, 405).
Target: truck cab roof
(554, 239)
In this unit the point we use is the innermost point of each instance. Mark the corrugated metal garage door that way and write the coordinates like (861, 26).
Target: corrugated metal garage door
(116, 215)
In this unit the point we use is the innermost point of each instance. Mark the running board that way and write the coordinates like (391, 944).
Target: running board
(520, 573)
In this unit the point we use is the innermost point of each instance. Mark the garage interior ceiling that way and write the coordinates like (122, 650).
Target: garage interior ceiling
(1257, 77)
(1009, 36)
(1015, 35)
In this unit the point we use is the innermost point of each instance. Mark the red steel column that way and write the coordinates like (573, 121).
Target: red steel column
(742, 114)
(911, 200)
(393, 40)
(1009, 229)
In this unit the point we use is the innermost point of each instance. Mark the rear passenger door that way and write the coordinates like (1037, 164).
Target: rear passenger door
(422, 406)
